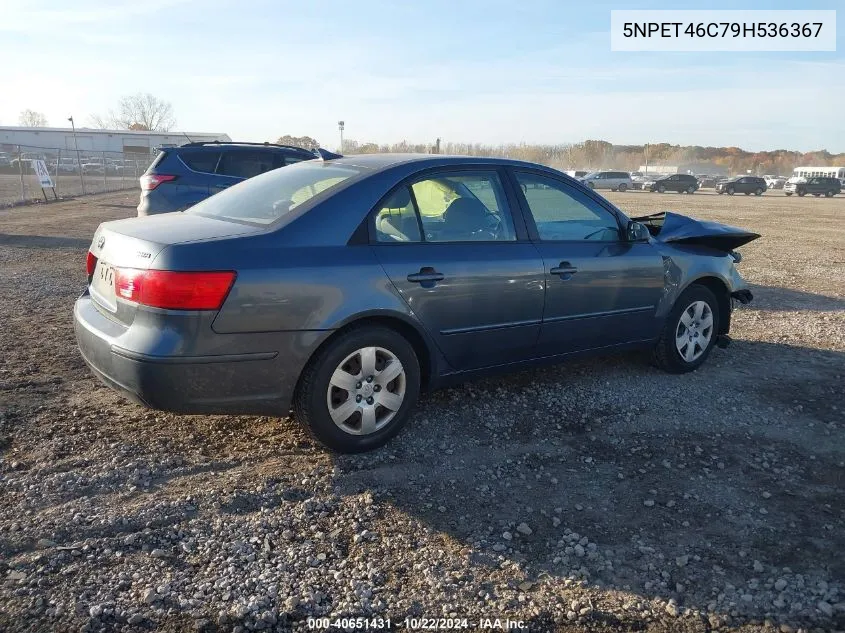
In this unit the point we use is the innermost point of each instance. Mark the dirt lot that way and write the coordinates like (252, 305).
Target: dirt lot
(598, 495)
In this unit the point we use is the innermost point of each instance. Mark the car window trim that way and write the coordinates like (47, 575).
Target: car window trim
(534, 234)
(204, 173)
(520, 228)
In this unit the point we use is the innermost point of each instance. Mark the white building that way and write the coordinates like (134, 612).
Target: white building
(45, 139)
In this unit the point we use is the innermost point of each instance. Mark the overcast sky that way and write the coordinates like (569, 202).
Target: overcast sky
(488, 71)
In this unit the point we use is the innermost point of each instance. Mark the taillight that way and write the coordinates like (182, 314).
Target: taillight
(173, 290)
(151, 181)
(90, 263)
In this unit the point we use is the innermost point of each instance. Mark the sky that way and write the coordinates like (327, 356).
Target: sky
(470, 71)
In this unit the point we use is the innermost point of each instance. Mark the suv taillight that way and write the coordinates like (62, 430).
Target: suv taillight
(151, 181)
(172, 290)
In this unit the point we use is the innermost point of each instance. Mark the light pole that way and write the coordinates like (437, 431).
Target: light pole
(78, 161)
(340, 126)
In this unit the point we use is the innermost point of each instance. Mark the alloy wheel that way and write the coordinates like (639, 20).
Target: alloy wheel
(694, 331)
(366, 390)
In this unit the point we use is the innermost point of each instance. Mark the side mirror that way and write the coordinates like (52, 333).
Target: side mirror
(637, 232)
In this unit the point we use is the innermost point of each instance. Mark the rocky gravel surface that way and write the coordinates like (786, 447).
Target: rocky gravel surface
(596, 495)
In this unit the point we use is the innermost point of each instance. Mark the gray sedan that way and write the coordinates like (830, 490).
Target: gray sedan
(341, 287)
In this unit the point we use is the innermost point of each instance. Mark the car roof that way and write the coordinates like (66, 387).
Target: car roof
(379, 162)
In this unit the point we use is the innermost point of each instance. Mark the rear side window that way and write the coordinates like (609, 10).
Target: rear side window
(200, 160)
(246, 163)
(270, 196)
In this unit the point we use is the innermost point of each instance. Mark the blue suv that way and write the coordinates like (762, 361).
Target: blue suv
(179, 177)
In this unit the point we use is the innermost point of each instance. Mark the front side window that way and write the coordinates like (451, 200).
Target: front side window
(266, 198)
(463, 207)
(562, 213)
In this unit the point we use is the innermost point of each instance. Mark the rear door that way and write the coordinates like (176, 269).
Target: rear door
(195, 174)
(600, 290)
(449, 244)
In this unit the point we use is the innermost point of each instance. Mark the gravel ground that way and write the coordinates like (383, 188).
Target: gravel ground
(597, 495)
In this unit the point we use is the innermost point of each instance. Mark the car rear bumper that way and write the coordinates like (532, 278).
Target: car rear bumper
(230, 382)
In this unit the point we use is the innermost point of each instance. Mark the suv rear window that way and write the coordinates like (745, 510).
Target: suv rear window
(267, 198)
(200, 160)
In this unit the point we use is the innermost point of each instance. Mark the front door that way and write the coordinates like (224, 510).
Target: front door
(600, 289)
(448, 244)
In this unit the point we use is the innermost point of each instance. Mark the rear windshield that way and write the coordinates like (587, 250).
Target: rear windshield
(266, 198)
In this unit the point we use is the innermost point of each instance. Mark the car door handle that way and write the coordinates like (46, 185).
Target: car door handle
(565, 270)
(427, 275)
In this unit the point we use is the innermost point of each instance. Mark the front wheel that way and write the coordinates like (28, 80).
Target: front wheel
(731, 191)
(788, 194)
(357, 392)
(623, 187)
(591, 185)
(758, 192)
(689, 333)
(661, 189)
(801, 193)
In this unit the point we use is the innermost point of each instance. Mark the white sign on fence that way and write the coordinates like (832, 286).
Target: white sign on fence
(43, 175)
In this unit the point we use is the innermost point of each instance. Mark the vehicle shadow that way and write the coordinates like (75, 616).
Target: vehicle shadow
(606, 474)
(786, 299)
(43, 241)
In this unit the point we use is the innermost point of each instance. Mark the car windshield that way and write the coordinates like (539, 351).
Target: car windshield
(266, 198)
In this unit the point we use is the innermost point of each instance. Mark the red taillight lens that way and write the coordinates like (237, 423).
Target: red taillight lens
(151, 181)
(90, 263)
(174, 290)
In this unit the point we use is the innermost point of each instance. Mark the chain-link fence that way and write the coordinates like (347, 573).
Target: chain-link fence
(73, 173)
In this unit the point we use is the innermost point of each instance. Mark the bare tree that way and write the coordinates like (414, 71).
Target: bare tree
(31, 118)
(138, 112)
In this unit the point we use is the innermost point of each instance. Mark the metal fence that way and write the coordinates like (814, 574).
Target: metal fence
(73, 173)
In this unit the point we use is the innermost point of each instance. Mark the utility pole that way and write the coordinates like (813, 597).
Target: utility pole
(646, 158)
(340, 126)
(78, 161)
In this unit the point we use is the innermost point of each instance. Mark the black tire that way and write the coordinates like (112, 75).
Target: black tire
(623, 187)
(690, 190)
(310, 406)
(661, 189)
(829, 194)
(666, 356)
(591, 185)
(759, 192)
(788, 194)
(747, 193)
(801, 193)
(731, 191)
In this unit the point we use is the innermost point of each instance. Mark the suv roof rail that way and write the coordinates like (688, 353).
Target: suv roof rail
(247, 143)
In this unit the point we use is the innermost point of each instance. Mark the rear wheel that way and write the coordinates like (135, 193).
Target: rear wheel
(802, 193)
(690, 190)
(623, 187)
(788, 193)
(758, 192)
(689, 332)
(358, 391)
(830, 194)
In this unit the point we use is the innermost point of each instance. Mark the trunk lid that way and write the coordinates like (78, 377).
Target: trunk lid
(675, 228)
(136, 242)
